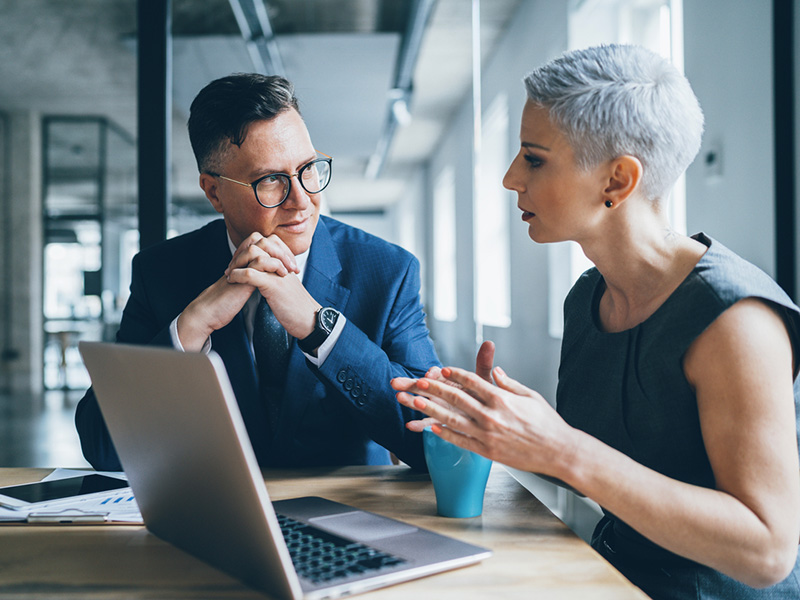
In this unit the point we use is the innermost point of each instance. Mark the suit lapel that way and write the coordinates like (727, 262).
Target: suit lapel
(322, 270)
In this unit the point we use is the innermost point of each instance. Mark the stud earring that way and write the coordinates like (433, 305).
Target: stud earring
(609, 204)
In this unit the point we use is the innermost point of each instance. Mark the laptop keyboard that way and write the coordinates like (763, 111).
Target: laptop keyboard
(322, 557)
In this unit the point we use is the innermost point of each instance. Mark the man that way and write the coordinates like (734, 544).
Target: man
(346, 303)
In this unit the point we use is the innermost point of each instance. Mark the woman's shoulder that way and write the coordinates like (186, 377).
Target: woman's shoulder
(721, 279)
(728, 278)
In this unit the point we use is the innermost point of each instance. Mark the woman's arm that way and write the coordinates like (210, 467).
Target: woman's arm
(741, 368)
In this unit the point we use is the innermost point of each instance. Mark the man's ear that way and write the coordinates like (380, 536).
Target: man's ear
(210, 185)
(625, 175)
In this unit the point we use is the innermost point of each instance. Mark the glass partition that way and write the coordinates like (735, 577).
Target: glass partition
(90, 235)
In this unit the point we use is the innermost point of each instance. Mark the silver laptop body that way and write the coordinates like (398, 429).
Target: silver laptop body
(183, 444)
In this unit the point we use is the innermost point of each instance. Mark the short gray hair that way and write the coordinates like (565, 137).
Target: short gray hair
(614, 100)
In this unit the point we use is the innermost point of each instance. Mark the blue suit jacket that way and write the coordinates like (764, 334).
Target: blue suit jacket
(342, 413)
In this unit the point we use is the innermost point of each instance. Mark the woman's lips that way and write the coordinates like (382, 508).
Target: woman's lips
(526, 216)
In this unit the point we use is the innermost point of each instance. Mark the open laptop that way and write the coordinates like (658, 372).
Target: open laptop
(182, 442)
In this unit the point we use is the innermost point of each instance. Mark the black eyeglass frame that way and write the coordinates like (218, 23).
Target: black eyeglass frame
(298, 173)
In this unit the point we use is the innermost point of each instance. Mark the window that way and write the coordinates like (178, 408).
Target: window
(444, 246)
(491, 224)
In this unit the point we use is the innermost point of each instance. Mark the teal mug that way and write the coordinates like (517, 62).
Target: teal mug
(459, 476)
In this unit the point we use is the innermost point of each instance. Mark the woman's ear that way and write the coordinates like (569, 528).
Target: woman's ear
(210, 185)
(625, 175)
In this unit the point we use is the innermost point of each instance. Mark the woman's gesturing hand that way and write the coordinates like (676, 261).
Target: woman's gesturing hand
(483, 367)
(508, 423)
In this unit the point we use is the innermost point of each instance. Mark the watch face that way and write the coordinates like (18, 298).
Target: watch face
(328, 318)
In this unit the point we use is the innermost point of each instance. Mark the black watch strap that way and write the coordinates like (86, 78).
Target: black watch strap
(325, 322)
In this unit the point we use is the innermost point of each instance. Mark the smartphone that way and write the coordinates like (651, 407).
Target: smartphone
(29, 494)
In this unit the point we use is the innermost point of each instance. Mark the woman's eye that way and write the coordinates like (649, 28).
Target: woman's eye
(533, 161)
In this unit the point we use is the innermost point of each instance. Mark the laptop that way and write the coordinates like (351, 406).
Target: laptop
(183, 445)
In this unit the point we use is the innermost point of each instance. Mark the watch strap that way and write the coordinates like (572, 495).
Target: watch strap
(317, 337)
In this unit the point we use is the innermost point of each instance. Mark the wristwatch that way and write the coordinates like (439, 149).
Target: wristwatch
(326, 320)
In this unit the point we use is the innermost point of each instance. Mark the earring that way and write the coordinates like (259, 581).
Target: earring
(609, 204)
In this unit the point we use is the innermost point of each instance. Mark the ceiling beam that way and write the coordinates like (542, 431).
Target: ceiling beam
(400, 94)
(259, 37)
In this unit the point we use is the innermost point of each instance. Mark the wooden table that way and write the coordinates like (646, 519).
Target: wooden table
(535, 554)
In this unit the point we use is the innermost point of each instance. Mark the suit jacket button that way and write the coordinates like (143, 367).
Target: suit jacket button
(341, 376)
(348, 384)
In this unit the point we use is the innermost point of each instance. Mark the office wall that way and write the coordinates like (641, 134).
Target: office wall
(728, 60)
(538, 32)
(525, 349)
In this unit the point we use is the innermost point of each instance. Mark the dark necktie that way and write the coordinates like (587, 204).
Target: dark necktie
(271, 347)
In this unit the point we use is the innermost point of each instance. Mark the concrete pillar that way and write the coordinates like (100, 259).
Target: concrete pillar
(5, 250)
(21, 287)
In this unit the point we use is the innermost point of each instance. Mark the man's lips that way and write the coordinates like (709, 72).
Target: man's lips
(295, 226)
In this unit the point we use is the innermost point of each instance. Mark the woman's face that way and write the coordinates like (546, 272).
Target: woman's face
(558, 200)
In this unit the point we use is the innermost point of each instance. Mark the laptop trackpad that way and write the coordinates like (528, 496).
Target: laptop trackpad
(361, 526)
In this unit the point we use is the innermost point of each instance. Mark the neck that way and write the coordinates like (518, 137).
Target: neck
(642, 261)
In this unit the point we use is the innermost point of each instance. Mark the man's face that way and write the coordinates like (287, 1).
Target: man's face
(280, 145)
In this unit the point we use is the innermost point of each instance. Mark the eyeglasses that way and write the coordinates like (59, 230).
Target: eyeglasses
(272, 190)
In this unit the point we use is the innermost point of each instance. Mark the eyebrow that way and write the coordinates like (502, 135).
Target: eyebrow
(264, 173)
(532, 145)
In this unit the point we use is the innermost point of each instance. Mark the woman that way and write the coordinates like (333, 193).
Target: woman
(676, 401)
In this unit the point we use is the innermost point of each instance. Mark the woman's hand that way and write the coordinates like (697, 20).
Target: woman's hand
(508, 423)
(483, 367)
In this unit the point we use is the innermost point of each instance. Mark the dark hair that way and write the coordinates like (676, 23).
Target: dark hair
(222, 112)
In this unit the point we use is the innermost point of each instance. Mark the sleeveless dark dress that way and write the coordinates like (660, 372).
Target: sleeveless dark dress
(628, 389)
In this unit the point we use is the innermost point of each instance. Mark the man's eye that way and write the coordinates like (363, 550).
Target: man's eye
(270, 180)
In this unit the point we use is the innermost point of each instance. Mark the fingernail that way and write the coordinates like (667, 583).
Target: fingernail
(446, 372)
(436, 429)
(423, 384)
(419, 403)
(500, 371)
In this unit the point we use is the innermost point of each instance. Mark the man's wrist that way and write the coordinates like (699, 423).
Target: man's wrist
(325, 321)
(190, 337)
(327, 346)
